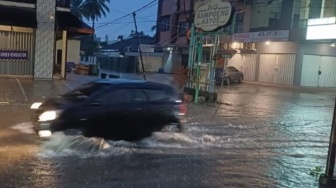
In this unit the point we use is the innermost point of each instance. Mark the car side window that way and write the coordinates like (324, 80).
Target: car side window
(156, 95)
(139, 96)
(120, 96)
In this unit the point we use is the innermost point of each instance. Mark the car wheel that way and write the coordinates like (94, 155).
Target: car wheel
(87, 132)
(240, 79)
(180, 127)
(172, 128)
(228, 81)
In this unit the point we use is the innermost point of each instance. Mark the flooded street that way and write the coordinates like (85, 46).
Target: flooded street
(260, 136)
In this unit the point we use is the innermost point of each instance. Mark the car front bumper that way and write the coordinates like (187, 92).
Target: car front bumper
(46, 128)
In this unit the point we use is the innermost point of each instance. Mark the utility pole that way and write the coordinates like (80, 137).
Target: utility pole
(328, 178)
(137, 34)
(199, 62)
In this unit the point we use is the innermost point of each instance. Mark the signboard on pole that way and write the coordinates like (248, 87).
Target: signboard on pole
(212, 14)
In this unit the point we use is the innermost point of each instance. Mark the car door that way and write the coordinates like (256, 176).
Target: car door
(110, 112)
(160, 109)
(141, 118)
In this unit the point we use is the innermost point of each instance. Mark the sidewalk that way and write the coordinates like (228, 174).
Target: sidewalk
(27, 91)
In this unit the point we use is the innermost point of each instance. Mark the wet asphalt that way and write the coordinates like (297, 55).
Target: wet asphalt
(260, 136)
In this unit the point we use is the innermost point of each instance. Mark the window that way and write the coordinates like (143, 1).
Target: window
(182, 29)
(139, 96)
(157, 94)
(165, 22)
(120, 96)
(86, 90)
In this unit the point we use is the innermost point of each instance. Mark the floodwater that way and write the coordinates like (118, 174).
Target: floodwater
(259, 137)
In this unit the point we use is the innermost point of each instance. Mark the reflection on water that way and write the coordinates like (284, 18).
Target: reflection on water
(269, 145)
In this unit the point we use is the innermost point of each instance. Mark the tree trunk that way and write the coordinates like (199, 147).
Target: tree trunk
(93, 25)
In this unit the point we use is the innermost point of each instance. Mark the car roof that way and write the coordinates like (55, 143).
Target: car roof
(119, 81)
(125, 81)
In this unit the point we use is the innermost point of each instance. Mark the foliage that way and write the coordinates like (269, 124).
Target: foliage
(92, 10)
(121, 37)
(134, 33)
(180, 77)
(89, 46)
(95, 9)
(76, 8)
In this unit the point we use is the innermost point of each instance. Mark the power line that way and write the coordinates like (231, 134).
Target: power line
(151, 4)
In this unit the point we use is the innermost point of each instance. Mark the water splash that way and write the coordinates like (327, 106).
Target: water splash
(26, 127)
(60, 145)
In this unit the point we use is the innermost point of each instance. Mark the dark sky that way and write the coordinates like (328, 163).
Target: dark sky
(113, 26)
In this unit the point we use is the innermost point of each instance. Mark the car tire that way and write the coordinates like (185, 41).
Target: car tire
(240, 79)
(87, 132)
(180, 127)
(228, 81)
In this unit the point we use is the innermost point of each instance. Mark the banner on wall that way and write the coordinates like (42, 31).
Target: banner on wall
(6, 54)
(277, 35)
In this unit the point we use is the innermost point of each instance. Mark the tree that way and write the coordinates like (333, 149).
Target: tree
(89, 46)
(121, 37)
(76, 8)
(134, 34)
(95, 9)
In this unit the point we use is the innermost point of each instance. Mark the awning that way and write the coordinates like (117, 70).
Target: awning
(248, 51)
(224, 52)
(67, 21)
(18, 16)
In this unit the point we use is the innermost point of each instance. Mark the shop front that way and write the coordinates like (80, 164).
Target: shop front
(28, 35)
(17, 38)
(265, 56)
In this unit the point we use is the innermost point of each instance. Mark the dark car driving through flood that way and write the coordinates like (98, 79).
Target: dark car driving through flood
(119, 109)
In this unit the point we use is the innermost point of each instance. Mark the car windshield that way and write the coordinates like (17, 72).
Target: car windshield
(86, 90)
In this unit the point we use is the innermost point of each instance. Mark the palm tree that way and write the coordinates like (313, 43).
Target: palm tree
(76, 8)
(95, 9)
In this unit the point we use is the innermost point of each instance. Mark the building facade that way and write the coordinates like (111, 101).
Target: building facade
(284, 53)
(270, 42)
(29, 30)
(173, 21)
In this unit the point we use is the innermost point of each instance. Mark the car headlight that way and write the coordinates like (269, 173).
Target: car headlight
(49, 115)
(35, 105)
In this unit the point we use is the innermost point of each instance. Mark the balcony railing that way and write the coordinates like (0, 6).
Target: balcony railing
(63, 3)
(59, 3)
(23, 1)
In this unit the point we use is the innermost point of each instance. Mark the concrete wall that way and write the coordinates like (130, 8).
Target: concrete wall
(276, 47)
(151, 63)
